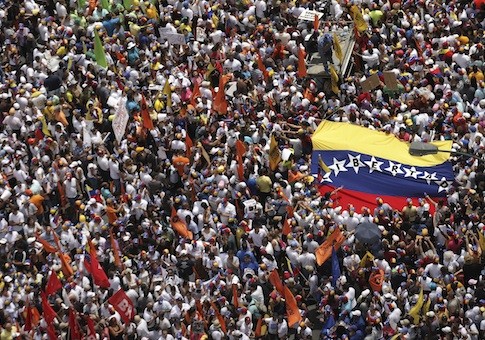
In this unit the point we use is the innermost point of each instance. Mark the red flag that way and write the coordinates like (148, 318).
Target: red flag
(259, 325)
(48, 311)
(115, 248)
(240, 151)
(123, 305)
(301, 63)
(145, 115)
(235, 300)
(286, 227)
(47, 246)
(29, 325)
(376, 279)
(99, 276)
(74, 330)
(173, 212)
(316, 23)
(91, 333)
(188, 145)
(53, 284)
(219, 316)
(220, 103)
(294, 315)
(275, 280)
(195, 94)
(261, 66)
(51, 331)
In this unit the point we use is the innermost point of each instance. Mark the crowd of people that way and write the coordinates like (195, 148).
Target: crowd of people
(184, 207)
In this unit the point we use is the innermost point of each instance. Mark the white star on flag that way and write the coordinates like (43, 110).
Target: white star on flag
(394, 168)
(338, 166)
(374, 164)
(428, 177)
(412, 172)
(326, 177)
(443, 184)
(355, 163)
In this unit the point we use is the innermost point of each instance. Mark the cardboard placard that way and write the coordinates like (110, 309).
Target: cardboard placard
(390, 80)
(370, 83)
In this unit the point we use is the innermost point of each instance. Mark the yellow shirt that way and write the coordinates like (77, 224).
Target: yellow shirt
(264, 184)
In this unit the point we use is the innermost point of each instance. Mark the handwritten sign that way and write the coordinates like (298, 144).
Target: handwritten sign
(176, 38)
(121, 120)
(309, 15)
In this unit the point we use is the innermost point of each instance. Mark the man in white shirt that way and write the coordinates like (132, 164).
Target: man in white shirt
(226, 211)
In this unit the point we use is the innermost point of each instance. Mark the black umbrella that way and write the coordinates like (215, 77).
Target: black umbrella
(367, 232)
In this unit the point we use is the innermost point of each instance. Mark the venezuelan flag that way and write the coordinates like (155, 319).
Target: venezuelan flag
(370, 164)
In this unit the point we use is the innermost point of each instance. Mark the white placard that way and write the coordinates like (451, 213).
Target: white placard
(121, 120)
(309, 15)
(176, 38)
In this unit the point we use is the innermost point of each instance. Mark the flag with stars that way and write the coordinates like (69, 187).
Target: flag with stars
(370, 164)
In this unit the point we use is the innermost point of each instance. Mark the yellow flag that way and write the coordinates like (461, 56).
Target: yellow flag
(322, 164)
(367, 257)
(481, 240)
(274, 154)
(359, 22)
(45, 129)
(210, 68)
(168, 92)
(426, 306)
(215, 20)
(415, 312)
(334, 79)
(337, 48)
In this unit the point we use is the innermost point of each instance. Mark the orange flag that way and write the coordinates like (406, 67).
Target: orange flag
(290, 210)
(316, 23)
(195, 94)
(181, 228)
(301, 63)
(115, 248)
(240, 151)
(56, 240)
(235, 300)
(294, 315)
(145, 115)
(65, 264)
(47, 246)
(219, 316)
(275, 280)
(324, 251)
(261, 66)
(188, 145)
(173, 212)
(220, 103)
(286, 227)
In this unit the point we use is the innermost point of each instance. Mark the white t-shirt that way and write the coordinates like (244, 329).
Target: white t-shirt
(71, 188)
